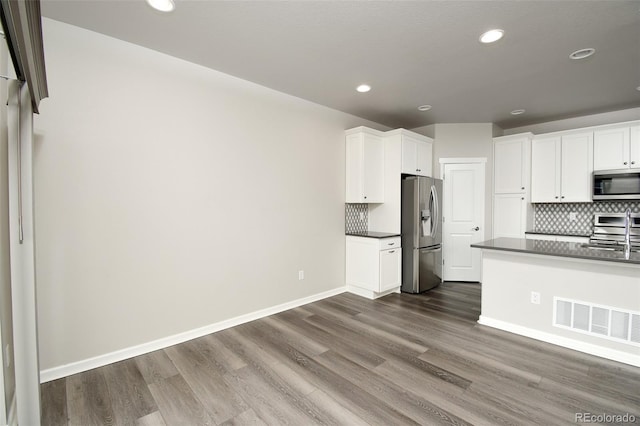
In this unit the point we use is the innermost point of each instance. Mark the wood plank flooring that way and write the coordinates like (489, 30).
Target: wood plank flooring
(399, 360)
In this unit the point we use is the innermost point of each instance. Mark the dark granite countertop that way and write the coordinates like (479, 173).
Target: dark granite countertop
(556, 248)
(372, 234)
(563, 233)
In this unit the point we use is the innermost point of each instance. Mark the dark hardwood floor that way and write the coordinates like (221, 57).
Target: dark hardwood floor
(399, 360)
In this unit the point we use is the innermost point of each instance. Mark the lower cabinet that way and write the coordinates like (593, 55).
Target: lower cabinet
(373, 265)
(512, 215)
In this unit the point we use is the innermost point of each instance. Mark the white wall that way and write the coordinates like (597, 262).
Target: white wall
(170, 196)
(6, 320)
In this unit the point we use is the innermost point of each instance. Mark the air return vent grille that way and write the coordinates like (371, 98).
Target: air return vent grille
(611, 323)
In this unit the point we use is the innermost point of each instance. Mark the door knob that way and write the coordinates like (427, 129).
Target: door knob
(477, 228)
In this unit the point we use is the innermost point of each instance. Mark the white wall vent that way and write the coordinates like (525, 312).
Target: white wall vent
(609, 322)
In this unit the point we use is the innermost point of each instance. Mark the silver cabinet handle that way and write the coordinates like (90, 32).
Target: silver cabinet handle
(522, 187)
(392, 251)
(522, 198)
(477, 228)
(625, 163)
(390, 244)
(556, 197)
(633, 162)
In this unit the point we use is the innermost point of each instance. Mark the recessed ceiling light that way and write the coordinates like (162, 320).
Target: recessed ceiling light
(517, 112)
(424, 107)
(582, 53)
(363, 88)
(162, 5)
(491, 36)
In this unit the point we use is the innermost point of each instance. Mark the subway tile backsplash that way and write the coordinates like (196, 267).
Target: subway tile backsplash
(555, 217)
(352, 218)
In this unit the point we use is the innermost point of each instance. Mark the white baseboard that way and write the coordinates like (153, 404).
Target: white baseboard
(368, 293)
(120, 355)
(589, 348)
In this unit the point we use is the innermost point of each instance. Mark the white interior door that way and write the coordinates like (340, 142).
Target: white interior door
(463, 213)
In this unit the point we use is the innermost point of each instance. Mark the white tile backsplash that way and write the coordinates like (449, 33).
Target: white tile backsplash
(356, 218)
(556, 217)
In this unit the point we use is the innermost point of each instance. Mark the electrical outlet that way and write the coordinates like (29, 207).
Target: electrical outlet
(301, 275)
(535, 297)
(573, 216)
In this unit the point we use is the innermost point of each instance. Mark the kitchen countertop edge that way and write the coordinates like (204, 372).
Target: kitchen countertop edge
(372, 234)
(557, 249)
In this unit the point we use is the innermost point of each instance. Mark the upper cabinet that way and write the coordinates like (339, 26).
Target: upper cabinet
(512, 157)
(416, 154)
(364, 166)
(616, 148)
(512, 212)
(561, 167)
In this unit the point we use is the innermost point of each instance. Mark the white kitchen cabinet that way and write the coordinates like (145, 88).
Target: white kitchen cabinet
(512, 212)
(561, 167)
(545, 169)
(634, 147)
(512, 159)
(405, 152)
(611, 148)
(616, 148)
(373, 265)
(576, 168)
(364, 166)
(512, 215)
(417, 157)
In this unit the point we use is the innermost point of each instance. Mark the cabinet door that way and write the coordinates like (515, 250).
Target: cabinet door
(354, 172)
(424, 156)
(545, 170)
(362, 257)
(611, 149)
(577, 167)
(390, 269)
(634, 150)
(509, 215)
(373, 169)
(409, 155)
(509, 162)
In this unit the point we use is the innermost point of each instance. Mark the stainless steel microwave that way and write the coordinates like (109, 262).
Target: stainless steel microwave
(616, 185)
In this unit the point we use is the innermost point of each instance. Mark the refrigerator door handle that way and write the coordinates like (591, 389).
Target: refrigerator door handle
(435, 216)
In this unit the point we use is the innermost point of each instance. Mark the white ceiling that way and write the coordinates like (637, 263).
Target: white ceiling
(411, 52)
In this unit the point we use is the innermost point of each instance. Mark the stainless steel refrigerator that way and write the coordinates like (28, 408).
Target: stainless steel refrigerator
(421, 233)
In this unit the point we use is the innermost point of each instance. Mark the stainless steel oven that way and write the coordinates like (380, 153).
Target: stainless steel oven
(609, 229)
(616, 185)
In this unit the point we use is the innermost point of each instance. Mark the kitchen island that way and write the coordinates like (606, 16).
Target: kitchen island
(563, 293)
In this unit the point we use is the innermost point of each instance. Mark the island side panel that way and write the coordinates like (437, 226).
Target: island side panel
(509, 278)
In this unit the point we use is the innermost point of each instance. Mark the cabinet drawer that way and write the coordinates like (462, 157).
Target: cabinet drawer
(389, 243)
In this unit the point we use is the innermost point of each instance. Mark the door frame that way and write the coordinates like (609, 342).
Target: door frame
(466, 160)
